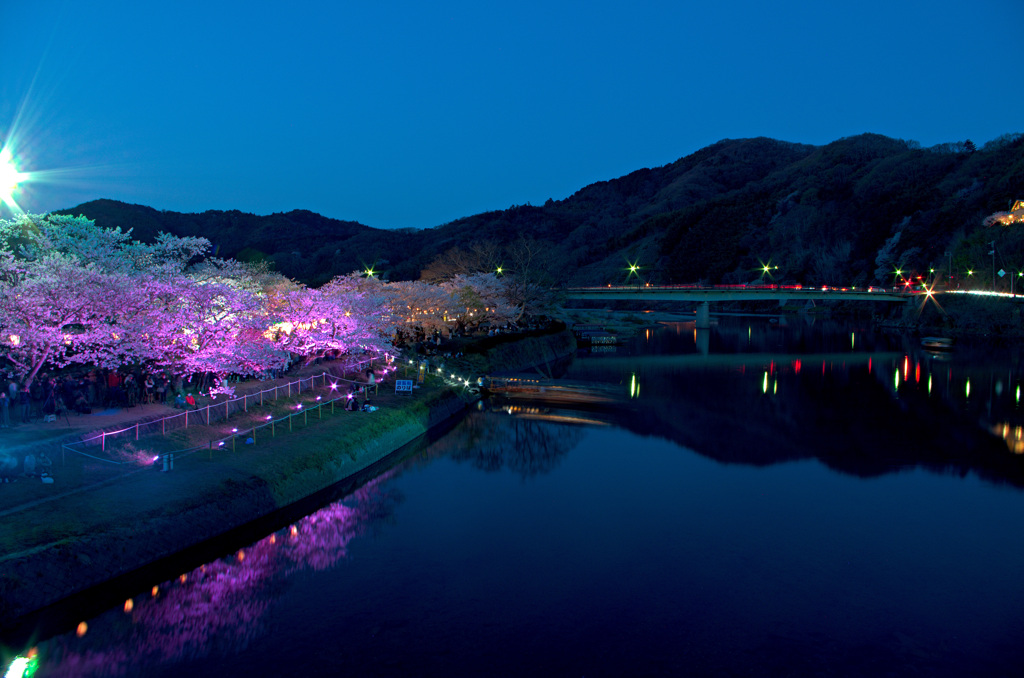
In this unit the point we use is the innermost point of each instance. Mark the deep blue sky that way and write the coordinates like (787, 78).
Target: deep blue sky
(416, 113)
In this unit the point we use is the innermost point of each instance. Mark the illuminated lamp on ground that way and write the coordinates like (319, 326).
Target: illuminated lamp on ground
(22, 667)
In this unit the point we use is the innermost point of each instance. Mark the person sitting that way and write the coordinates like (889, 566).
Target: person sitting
(352, 405)
(190, 400)
(82, 405)
(179, 401)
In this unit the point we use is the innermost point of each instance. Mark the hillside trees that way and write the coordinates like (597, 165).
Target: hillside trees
(711, 215)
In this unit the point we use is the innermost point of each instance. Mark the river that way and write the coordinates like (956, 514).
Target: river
(774, 496)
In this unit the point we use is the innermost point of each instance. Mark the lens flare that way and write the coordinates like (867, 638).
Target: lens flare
(10, 179)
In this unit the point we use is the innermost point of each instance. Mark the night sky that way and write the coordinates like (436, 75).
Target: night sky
(401, 114)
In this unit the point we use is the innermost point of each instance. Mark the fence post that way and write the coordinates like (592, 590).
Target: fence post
(272, 434)
(207, 415)
(186, 417)
(305, 418)
(103, 441)
(245, 403)
(163, 426)
(254, 435)
(136, 430)
(289, 423)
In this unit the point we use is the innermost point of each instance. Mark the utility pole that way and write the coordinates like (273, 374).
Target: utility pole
(993, 253)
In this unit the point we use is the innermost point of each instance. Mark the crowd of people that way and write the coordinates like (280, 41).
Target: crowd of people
(97, 388)
(59, 395)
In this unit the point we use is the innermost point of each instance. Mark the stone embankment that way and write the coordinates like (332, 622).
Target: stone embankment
(119, 529)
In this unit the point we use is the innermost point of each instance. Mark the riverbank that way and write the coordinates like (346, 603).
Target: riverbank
(69, 544)
(961, 315)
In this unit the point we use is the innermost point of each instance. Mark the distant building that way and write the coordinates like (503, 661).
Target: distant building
(1014, 216)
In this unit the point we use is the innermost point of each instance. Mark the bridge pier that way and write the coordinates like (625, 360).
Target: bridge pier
(704, 316)
(703, 342)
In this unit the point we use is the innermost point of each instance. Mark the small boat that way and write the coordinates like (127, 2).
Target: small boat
(937, 343)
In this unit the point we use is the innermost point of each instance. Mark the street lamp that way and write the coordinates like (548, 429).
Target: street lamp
(10, 178)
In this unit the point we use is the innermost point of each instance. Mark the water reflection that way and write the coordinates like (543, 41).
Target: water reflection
(521, 445)
(860, 402)
(705, 553)
(221, 608)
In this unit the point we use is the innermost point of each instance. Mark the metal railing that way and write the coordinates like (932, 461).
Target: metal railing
(215, 413)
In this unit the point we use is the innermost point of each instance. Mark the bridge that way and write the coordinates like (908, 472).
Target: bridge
(704, 295)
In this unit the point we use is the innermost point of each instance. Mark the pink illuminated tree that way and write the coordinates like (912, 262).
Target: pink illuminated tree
(479, 298)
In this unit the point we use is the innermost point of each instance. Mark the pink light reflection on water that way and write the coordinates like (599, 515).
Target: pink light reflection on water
(220, 608)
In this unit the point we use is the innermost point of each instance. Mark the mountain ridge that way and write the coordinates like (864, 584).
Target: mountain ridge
(823, 214)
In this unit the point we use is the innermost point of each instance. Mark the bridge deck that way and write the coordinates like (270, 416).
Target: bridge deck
(653, 293)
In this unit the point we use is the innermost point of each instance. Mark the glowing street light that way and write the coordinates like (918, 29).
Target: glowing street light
(634, 269)
(10, 179)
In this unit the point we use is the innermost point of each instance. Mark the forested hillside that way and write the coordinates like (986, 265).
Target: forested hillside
(849, 212)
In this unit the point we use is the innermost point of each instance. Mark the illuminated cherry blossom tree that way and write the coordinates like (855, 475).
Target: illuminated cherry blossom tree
(420, 308)
(54, 311)
(479, 298)
(71, 292)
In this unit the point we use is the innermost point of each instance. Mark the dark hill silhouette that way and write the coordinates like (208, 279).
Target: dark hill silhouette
(847, 212)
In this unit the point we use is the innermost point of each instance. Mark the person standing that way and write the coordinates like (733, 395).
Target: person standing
(25, 400)
(5, 405)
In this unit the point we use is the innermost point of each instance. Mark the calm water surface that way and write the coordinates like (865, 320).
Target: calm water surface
(771, 498)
